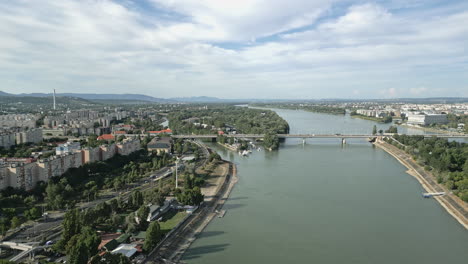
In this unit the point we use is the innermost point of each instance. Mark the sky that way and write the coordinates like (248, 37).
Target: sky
(294, 49)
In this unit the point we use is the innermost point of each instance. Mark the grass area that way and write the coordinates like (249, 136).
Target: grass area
(172, 221)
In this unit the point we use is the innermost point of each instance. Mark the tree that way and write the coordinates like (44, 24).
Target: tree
(214, 157)
(136, 199)
(374, 130)
(114, 205)
(188, 181)
(91, 240)
(15, 222)
(392, 129)
(158, 197)
(190, 196)
(153, 235)
(142, 215)
(33, 213)
(71, 226)
(2, 261)
(271, 141)
(387, 119)
(84, 245)
(78, 253)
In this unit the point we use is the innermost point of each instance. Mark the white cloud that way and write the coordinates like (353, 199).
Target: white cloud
(242, 20)
(103, 46)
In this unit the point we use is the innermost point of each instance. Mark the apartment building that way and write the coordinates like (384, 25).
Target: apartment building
(29, 136)
(7, 140)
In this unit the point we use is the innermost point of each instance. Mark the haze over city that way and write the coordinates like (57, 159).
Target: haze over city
(236, 49)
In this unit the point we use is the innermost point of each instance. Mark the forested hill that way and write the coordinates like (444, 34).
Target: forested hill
(244, 120)
(32, 104)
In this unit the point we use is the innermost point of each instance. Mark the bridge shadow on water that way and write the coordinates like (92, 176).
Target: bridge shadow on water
(210, 233)
(232, 206)
(196, 252)
(236, 198)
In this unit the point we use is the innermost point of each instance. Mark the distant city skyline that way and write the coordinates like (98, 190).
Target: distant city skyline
(236, 49)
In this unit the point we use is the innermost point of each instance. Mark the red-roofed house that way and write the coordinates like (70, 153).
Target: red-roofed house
(220, 132)
(167, 131)
(120, 132)
(106, 137)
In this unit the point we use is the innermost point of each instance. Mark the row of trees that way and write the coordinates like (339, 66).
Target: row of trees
(317, 108)
(386, 119)
(447, 159)
(391, 129)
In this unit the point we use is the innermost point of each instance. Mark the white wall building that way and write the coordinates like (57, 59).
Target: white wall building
(427, 119)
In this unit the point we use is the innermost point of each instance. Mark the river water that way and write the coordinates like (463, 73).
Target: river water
(326, 203)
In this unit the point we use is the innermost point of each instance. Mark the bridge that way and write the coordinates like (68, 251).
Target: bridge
(25, 248)
(340, 136)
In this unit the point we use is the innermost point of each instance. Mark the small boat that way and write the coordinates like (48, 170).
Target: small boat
(221, 213)
(429, 195)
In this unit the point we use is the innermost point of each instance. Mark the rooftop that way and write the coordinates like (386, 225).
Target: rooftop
(126, 249)
(106, 137)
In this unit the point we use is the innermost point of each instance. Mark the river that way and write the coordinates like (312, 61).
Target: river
(326, 203)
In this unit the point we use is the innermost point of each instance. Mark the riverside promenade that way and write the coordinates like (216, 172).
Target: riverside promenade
(452, 204)
(175, 245)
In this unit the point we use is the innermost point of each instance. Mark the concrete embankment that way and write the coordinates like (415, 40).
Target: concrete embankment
(173, 248)
(230, 147)
(452, 204)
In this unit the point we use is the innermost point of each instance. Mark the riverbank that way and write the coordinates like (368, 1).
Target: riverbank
(217, 190)
(370, 118)
(230, 147)
(451, 203)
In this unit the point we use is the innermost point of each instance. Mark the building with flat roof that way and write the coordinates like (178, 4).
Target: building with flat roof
(427, 119)
(160, 145)
(67, 148)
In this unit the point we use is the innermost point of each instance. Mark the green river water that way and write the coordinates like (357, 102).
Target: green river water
(326, 203)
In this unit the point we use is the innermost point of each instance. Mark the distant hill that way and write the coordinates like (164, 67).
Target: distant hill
(136, 97)
(141, 98)
(32, 101)
(197, 99)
